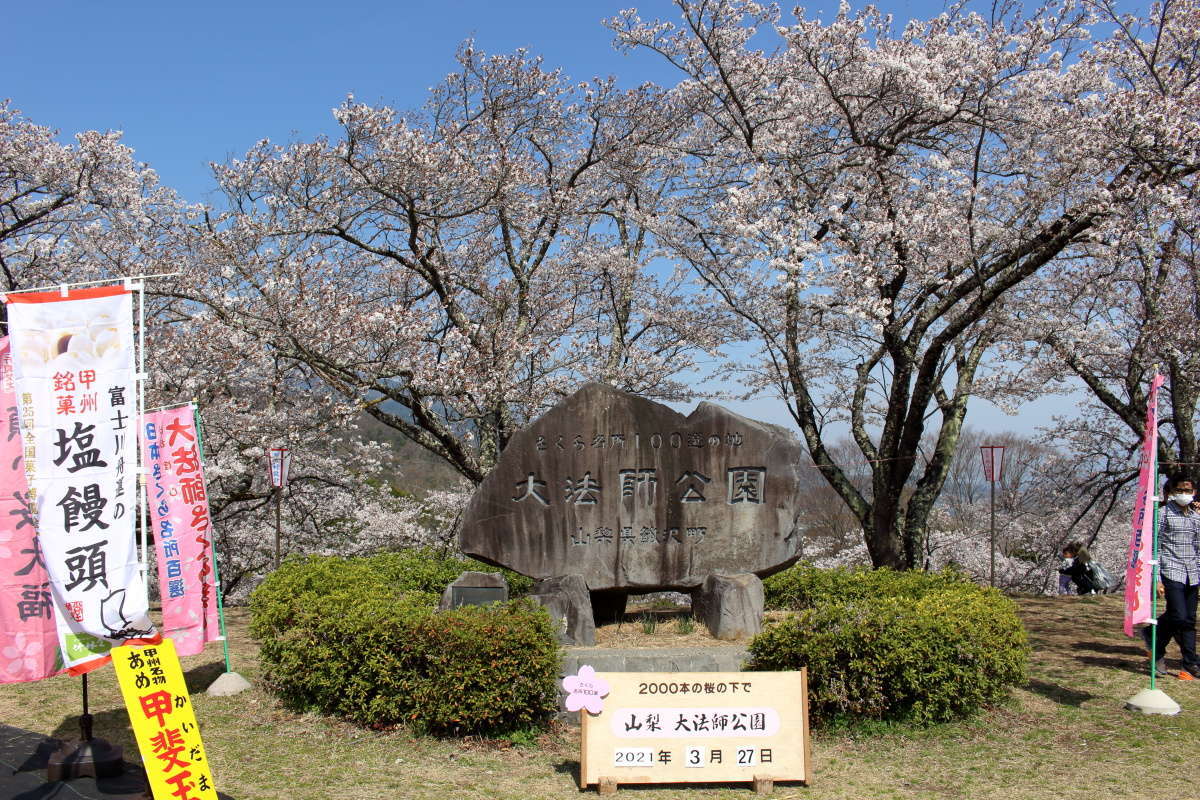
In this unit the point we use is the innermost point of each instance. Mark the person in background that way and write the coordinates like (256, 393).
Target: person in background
(1179, 575)
(1077, 570)
(1064, 580)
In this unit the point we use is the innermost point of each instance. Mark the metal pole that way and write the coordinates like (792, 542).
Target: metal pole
(1154, 576)
(278, 513)
(213, 541)
(126, 279)
(993, 536)
(85, 719)
(140, 378)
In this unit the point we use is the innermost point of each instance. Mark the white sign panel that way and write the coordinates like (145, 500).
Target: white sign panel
(686, 727)
(281, 462)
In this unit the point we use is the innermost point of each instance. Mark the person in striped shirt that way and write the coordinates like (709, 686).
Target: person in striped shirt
(1179, 574)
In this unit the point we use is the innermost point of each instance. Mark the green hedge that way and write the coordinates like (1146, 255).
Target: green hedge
(413, 572)
(914, 647)
(803, 585)
(359, 638)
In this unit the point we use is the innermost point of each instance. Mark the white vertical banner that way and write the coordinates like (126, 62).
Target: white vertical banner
(74, 374)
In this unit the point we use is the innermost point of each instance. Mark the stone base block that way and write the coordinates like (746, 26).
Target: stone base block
(566, 598)
(730, 606)
(228, 684)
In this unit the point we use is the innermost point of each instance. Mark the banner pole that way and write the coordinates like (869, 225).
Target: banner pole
(213, 542)
(1154, 545)
(1154, 577)
(140, 377)
(1153, 700)
(64, 286)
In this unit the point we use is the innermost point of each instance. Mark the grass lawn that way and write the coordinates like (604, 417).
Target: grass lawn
(1064, 735)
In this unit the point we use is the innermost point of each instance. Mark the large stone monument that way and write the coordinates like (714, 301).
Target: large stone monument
(633, 496)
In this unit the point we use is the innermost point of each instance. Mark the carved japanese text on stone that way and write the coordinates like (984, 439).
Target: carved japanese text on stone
(631, 494)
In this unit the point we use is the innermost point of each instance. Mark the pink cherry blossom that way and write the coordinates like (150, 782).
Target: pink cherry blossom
(23, 655)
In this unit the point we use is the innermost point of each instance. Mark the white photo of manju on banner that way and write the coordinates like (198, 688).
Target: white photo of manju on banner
(74, 373)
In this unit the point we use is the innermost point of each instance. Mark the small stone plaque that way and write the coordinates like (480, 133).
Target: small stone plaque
(476, 596)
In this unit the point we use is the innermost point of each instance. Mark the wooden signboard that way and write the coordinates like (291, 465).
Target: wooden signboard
(698, 727)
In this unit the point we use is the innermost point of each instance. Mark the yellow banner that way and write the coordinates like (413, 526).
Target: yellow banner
(160, 711)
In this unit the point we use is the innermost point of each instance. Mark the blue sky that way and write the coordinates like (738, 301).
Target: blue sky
(192, 83)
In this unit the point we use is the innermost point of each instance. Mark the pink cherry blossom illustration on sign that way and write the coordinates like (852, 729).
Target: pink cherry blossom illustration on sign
(585, 690)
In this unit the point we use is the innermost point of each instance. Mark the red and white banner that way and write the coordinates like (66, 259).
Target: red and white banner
(28, 637)
(178, 499)
(1139, 576)
(73, 367)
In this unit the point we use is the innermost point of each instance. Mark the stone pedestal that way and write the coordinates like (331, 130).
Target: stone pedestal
(566, 598)
(474, 589)
(227, 685)
(730, 606)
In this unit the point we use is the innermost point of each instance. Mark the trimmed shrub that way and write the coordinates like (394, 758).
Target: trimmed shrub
(421, 573)
(804, 586)
(919, 648)
(359, 638)
(483, 670)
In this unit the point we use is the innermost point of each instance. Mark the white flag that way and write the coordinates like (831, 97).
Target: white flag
(73, 365)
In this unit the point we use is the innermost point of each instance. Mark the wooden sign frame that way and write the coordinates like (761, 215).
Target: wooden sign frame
(698, 727)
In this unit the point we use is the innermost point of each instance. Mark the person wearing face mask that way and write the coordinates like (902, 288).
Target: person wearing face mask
(1179, 575)
(1077, 569)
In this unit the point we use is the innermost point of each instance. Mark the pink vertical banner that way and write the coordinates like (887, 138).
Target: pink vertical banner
(28, 635)
(178, 500)
(1139, 575)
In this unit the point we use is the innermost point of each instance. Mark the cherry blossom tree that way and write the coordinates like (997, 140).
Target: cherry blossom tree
(1140, 313)
(456, 271)
(870, 206)
(72, 212)
(1042, 503)
(90, 211)
(340, 497)
(1133, 306)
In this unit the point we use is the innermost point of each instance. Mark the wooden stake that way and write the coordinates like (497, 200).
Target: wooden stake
(607, 786)
(763, 785)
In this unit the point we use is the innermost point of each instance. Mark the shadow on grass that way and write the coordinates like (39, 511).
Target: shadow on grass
(1123, 664)
(1060, 694)
(568, 768)
(198, 679)
(24, 751)
(1110, 649)
(572, 768)
(112, 725)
